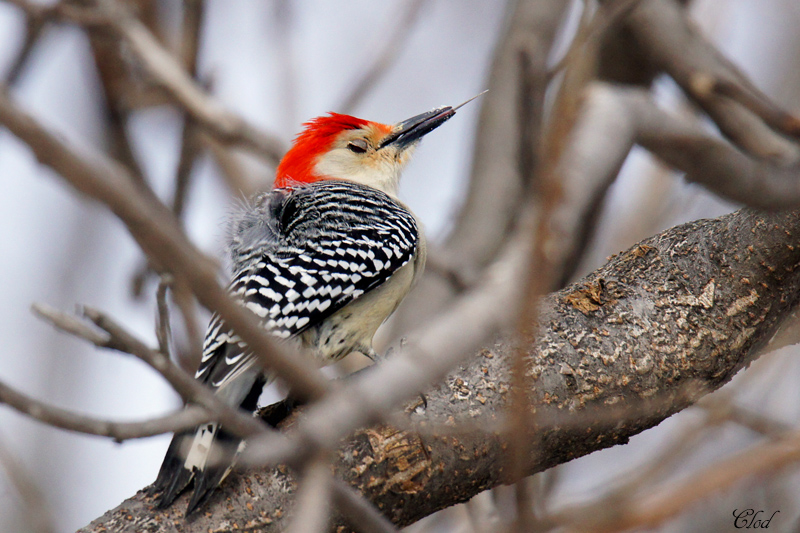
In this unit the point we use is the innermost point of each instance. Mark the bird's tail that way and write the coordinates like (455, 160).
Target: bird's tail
(204, 455)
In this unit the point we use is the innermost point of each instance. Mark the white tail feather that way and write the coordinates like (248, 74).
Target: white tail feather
(201, 446)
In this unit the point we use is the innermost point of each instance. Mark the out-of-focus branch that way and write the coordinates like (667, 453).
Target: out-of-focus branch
(313, 498)
(706, 87)
(34, 28)
(169, 73)
(390, 46)
(596, 351)
(157, 232)
(118, 85)
(670, 42)
(119, 431)
(163, 326)
(496, 189)
(115, 337)
(193, 14)
(651, 510)
(37, 511)
(58, 11)
(618, 118)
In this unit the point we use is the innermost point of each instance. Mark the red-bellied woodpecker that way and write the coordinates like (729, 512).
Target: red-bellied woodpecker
(323, 260)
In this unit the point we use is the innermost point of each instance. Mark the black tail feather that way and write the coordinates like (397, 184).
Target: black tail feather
(173, 478)
(220, 463)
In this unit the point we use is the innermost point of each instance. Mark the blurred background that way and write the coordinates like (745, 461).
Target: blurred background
(279, 63)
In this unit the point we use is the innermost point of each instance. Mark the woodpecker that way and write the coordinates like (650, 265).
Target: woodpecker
(322, 260)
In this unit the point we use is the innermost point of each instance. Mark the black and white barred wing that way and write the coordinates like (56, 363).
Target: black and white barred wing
(335, 242)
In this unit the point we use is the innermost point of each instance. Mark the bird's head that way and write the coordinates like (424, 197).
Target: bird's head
(349, 148)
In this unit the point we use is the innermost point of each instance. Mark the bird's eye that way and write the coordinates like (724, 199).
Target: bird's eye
(358, 146)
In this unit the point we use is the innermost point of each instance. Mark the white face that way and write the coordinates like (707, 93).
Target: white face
(354, 156)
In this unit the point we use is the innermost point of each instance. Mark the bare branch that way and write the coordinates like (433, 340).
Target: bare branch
(705, 87)
(668, 40)
(615, 119)
(119, 431)
(72, 325)
(163, 328)
(164, 68)
(650, 510)
(34, 29)
(358, 512)
(119, 339)
(496, 189)
(312, 510)
(724, 409)
(157, 232)
(390, 45)
(167, 71)
(37, 510)
(594, 352)
(193, 391)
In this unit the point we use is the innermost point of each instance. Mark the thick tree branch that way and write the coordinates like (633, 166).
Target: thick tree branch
(643, 337)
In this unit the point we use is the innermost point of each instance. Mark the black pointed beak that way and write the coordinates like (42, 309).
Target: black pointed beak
(413, 129)
(408, 131)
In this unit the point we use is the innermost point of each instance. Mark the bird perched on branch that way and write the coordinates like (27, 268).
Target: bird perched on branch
(323, 260)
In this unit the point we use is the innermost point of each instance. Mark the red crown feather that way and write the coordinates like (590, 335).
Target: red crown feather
(318, 134)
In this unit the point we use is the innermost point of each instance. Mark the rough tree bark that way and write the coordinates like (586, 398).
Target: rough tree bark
(641, 338)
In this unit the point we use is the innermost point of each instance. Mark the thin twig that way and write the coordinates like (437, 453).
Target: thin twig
(650, 510)
(664, 34)
(120, 340)
(706, 86)
(719, 409)
(391, 45)
(193, 391)
(34, 29)
(724, 409)
(59, 11)
(193, 15)
(163, 328)
(532, 169)
(167, 71)
(157, 232)
(187, 305)
(37, 509)
(119, 431)
(233, 171)
(595, 26)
